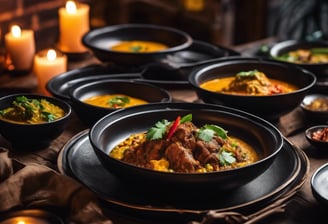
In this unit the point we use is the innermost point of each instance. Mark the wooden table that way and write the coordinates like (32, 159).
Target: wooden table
(302, 208)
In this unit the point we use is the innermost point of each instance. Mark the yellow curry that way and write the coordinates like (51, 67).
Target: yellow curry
(114, 101)
(138, 46)
(251, 82)
(180, 146)
(31, 111)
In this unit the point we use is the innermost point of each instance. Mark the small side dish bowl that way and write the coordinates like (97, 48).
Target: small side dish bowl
(318, 136)
(270, 106)
(102, 40)
(319, 184)
(315, 107)
(90, 113)
(37, 133)
(108, 132)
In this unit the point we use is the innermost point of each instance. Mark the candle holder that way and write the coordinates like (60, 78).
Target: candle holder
(30, 216)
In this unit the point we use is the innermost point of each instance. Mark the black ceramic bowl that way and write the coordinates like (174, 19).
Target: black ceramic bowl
(89, 114)
(278, 49)
(319, 184)
(33, 136)
(268, 107)
(317, 143)
(315, 107)
(115, 127)
(100, 40)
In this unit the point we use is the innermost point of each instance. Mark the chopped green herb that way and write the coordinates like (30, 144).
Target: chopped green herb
(118, 101)
(158, 131)
(136, 48)
(226, 158)
(207, 132)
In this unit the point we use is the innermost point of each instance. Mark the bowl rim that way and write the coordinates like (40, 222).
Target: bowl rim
(182, 105)
(79, 87)
(67, 107)
(313, 179)
(248, 60)
(87, 37)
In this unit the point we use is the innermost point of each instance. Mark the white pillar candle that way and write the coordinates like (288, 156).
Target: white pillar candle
(20, 46)
(47, 64)
(73, 24)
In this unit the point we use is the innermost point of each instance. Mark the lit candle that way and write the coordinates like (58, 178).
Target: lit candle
(73, 24)
(20, 47)
(47, 64)
(25, 220)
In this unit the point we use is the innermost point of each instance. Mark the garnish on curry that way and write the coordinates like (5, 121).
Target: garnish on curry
(114, 101)
(139, 46)
(251, 82)
(31, 111)
(180, 146)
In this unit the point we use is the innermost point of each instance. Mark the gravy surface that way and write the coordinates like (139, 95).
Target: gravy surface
(114, 101)
(139, 46)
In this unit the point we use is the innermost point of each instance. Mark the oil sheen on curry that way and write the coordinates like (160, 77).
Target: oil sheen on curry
(252, 83)
(114, 101)
(139, 46)
(181, 146)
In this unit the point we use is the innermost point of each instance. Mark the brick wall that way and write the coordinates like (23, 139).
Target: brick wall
(39, 15)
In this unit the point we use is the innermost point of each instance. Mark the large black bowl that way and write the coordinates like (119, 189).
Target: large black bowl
(100, 40)
(280, 48)
(268, 107)
(89, 114)
(33, 136)
(115, 127)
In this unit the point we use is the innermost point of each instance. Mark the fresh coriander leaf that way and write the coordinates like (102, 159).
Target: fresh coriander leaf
(218, 130)
(205, 134)
(118, 101)
(226, 158)
(158, 131)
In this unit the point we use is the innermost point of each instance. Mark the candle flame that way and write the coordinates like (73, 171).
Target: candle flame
(51, 55)
(20, 222)
(16, 31)
(71, 7)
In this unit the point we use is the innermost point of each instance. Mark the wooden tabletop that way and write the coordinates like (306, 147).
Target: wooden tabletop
(301, 208)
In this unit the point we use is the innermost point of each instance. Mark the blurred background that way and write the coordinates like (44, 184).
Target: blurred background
(222, 22)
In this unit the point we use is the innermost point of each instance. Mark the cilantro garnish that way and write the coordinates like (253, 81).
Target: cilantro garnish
(226, 158)
(207, 132)
(118, 101)
(158, 131)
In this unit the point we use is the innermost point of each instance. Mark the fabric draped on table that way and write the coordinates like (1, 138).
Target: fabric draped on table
(38, 187)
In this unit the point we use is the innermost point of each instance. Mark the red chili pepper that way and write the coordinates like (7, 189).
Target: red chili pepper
(173, 127)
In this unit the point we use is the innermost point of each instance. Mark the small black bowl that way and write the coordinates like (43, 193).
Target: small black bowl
(89, 114)
(33, 136)
(115, 127)
(319, 184)
(315, 113)
(269, 107)
(316, 143)
(100, 40)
